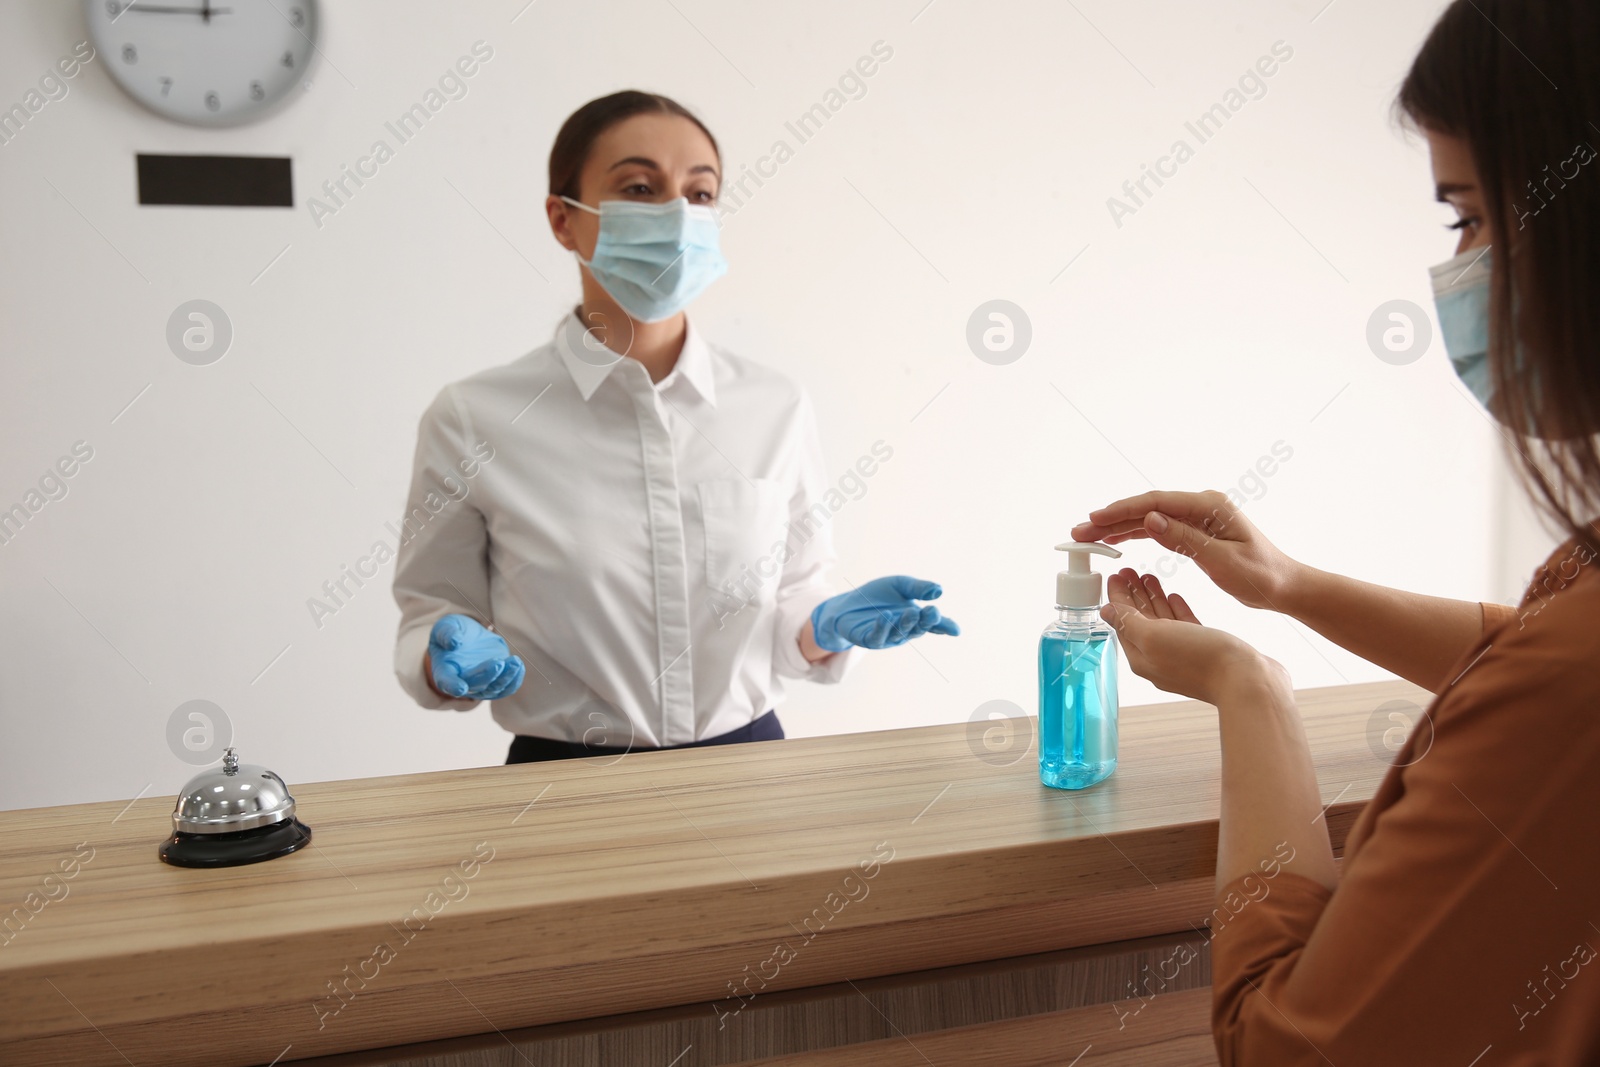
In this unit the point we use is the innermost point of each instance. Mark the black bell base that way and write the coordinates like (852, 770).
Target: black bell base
(237, 847)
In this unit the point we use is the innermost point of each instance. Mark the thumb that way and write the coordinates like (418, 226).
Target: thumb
(1128, 622)
(915, 588)
(447, 632)
(447, 678)
(1174, 534)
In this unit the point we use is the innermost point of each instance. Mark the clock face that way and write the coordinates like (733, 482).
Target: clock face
(206, 62)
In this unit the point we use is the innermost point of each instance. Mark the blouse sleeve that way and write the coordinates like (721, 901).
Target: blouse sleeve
(1476, 877)
(805, 578)
(441, 565)
(1495, 614)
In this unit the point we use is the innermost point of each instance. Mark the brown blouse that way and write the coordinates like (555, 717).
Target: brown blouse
(1466, 926)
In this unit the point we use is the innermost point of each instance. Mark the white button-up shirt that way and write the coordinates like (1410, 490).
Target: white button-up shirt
(650, 550)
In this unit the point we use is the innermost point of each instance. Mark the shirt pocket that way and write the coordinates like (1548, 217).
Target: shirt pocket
(744, 523)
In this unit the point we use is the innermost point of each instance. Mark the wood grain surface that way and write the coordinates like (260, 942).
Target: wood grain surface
(1122, 981)
(611, 885)
(1174, 1031)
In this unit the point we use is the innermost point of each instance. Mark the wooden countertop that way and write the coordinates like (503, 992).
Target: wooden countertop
(461, 902)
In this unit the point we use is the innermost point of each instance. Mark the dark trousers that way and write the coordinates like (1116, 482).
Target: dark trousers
(526, 749)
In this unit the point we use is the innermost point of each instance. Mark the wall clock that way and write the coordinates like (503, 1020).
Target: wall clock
(206, 63)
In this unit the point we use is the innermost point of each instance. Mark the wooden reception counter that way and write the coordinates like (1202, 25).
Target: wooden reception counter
(862, 898)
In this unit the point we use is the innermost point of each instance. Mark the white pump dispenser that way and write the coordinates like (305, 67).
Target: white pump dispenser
(1079, 586)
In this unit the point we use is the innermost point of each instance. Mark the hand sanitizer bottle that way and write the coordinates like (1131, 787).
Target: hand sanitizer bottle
(1078, 679)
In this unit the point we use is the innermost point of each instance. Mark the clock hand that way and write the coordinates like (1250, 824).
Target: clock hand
(156, 9)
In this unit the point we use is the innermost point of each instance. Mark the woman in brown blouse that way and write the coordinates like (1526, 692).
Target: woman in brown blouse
(1464, 923)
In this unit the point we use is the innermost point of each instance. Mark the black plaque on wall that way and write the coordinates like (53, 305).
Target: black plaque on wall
(215, 181)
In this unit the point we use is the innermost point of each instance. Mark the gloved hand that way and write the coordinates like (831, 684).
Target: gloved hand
(469, 660)
(881, 613)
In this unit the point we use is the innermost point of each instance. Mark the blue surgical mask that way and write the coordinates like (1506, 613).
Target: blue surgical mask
(654, 258)
(1461, 297)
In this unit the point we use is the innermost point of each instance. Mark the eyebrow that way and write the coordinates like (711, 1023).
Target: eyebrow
(1444, 190)
(645, 161)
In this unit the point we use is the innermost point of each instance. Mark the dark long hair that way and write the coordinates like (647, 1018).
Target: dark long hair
(577, 135)
(1519, 81)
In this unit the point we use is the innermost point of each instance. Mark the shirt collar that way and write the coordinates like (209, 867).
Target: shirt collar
(590, 362)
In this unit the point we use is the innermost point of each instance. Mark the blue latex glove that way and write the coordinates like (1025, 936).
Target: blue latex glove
(881, 613)
(472, 661)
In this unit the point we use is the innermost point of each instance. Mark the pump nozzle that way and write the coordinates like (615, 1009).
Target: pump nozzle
(1078, 586)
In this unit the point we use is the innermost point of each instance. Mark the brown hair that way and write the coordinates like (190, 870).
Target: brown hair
(1518, 80)
(577, 135)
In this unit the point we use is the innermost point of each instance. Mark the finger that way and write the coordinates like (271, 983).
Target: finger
(1181, 610)
(448, 632)
(932, 621)
(447, 679)
(1092, 531)
(1158, 597)
(1177, 504)
(905, 627)
(874, 629)
(884, 630)
(1136, 591)
(508, 682)
(481, 676)
(1131, 535)
(1120, 592)
(494, 691)
(915, 588)
(1178, 535)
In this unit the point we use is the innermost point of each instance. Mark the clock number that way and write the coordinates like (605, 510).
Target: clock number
(297, 18)
(166, 86)
(113, 8)
(213, 101)
(257, 92)
(130, 54)
(288, 59)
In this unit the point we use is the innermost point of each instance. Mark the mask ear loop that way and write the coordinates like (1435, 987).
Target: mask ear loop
(588, 330)
(590, 210)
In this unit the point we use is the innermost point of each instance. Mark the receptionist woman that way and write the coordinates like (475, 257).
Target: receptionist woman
(638, 558)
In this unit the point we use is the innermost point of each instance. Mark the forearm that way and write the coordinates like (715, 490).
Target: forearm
(1416, 637)
(813, 652)
(1269, 787)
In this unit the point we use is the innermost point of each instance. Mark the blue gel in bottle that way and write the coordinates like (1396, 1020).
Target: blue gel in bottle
(1077, 701)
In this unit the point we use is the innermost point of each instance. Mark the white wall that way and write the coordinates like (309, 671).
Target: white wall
(1222, 317)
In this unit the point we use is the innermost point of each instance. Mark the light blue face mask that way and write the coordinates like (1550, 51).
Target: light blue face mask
(654, 259)
(1461, 297)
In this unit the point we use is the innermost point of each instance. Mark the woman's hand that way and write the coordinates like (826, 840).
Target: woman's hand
(1208, 529)
(466, 660)
(881, 613)
(1269, 793)
(1166, 644)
